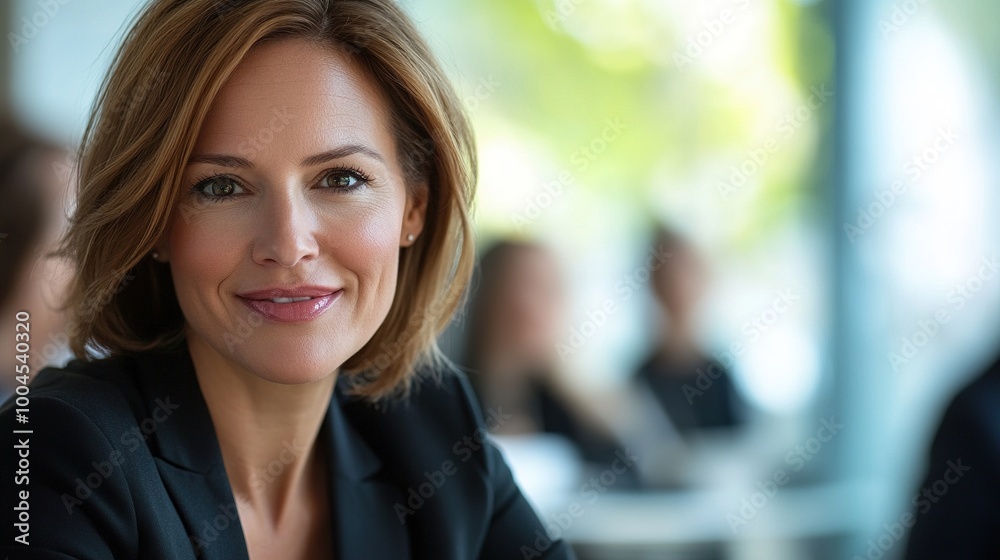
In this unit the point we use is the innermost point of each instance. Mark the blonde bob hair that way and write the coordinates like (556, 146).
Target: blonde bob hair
(146, 120)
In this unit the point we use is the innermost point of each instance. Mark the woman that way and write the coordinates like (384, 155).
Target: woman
(271, 230)
(671, 371)
(32, 217)
(511, 353)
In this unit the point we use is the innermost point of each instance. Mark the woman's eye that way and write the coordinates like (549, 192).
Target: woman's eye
(219, 187)
(342, 180)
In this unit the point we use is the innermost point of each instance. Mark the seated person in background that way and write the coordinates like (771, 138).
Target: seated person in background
(32, 216)
(514, 326)
(671, 371)
(965, 455)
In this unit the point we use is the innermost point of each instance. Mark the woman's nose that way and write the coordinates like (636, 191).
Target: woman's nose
(286, 232)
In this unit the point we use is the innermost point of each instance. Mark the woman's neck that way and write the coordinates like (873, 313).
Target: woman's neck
(679, 344)
(267, 432)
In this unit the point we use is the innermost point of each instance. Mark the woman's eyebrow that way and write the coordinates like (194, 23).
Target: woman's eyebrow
(225, 160)
(221, 160)
(341, 152)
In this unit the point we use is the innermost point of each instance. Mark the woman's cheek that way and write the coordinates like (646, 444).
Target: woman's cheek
(204, 239)
(369, 235)
(205, 250)
(367, 245)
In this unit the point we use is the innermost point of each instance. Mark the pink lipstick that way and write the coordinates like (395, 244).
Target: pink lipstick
(290, 305)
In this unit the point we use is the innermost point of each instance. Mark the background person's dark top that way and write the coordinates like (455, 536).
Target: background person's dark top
(713, 405)
(172, 490)
(965, 522)
(551, 416)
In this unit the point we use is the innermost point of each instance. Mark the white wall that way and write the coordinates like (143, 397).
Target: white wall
(60, 50)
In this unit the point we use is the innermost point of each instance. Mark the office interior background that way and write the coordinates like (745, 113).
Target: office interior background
(829, 160)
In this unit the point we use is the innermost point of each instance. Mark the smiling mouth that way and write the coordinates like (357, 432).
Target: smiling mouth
(289, 308)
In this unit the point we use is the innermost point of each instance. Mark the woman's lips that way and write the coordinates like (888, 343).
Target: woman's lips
(288, 308)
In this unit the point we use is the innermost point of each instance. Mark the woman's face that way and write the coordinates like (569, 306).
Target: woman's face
(285, 244)
(528, 304)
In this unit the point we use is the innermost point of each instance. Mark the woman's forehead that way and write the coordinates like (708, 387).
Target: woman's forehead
(295, 94)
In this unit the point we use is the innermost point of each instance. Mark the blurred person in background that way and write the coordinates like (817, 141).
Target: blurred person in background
(32, 217)
(957, 508)
(514, 326)
(672, 370)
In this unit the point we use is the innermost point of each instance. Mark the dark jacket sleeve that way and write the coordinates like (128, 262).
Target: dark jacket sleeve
(514, 529)
(76, 488)
(957, 508)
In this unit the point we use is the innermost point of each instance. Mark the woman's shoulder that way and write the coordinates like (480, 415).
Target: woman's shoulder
(440, 416)
(436, 444)
(98, 391)
(68, 429)
(442, 397)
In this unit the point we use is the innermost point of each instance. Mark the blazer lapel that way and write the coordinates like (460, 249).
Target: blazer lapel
(365, 524)
(208, 510)
(179, 430)
(186, 450)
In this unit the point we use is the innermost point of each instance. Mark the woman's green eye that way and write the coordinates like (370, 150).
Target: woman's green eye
(343, 180)
(218, 187)
(222, 189)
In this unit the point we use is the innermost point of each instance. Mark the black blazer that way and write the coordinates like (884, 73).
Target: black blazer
(123, 462)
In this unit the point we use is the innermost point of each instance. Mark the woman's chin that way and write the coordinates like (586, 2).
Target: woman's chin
(290, 373)
(293, 360)
(291, 365)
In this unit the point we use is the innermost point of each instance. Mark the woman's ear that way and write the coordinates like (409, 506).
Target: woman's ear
(414, 215)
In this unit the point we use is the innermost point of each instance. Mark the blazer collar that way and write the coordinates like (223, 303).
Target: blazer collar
(189, 459)
(187, 437)
(365, 524)
(187, 455)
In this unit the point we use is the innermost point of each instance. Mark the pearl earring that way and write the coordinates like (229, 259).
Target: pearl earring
(155, 254)
(410, 238)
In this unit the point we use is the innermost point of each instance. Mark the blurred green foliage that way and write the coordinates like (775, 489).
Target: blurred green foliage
(565, 67)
